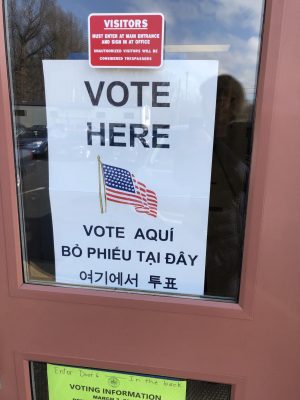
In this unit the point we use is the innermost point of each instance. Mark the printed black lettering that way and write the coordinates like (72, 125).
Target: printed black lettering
(140, 136)
(139, 86)
(156, 135)
(125, 94)
(94, 99)
(113, 134)
(156, 94)
(91, 133)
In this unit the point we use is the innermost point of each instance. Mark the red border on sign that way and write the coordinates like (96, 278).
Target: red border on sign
(128, 55)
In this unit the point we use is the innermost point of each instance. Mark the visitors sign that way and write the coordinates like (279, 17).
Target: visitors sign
(126, 40)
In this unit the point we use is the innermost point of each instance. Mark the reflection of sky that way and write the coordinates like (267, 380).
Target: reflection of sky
(236, 23)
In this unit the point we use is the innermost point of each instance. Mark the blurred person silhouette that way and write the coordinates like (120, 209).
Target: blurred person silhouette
(230, 168)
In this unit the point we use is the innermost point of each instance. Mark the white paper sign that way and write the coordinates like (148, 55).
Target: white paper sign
(129, 174)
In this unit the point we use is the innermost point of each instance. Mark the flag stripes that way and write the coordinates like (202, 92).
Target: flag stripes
(122, 188)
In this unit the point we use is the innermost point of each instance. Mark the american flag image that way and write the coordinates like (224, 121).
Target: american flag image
(122, 187)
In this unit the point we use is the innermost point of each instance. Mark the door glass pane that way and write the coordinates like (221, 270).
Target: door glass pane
(54, 382)
(178, 137)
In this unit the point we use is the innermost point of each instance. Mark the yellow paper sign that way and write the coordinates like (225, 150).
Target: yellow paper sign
(70, 383)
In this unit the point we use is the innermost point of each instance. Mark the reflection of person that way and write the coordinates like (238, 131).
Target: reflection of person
(227, 199)
(230, 99)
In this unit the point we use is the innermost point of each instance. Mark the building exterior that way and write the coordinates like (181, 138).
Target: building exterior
(180, 183)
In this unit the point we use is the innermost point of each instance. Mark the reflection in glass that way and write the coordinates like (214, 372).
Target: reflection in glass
(195, 29)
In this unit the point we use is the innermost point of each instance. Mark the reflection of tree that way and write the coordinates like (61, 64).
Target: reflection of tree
(39, 29)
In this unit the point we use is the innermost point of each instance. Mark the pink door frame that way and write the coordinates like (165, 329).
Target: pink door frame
(253, 345)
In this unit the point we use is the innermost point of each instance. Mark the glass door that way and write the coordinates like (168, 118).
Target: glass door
(148, 215)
